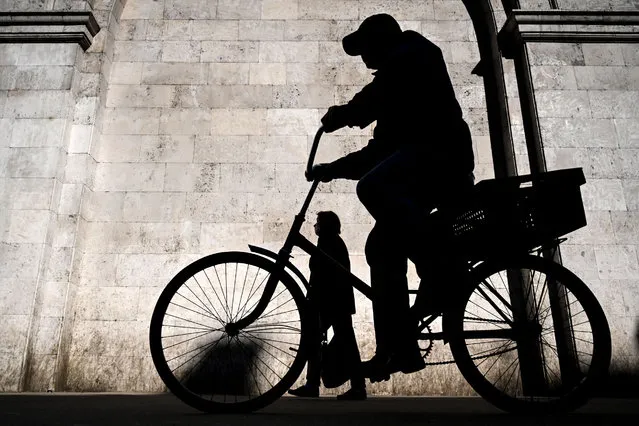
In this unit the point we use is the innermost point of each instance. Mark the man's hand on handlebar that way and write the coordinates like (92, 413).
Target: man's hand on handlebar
(333, 119)
(319, 171)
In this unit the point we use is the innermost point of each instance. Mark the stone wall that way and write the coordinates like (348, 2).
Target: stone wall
(184, 130)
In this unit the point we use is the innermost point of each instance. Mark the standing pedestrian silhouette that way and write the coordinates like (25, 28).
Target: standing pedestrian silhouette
(420, 158)
(335, 301)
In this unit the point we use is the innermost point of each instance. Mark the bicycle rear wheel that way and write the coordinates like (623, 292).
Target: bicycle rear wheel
(540, 350)
(207, 368)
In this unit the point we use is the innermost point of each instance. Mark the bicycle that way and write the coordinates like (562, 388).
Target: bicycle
(238, 348)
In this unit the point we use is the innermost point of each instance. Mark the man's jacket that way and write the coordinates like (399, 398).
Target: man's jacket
(412, 99)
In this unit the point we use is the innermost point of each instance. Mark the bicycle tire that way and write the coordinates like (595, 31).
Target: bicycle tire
(175, 385)
(563, 400)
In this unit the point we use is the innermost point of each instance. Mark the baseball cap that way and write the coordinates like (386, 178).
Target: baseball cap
(374, 29)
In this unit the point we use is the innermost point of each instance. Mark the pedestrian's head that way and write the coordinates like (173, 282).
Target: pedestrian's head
(327, 224)
(373, 40)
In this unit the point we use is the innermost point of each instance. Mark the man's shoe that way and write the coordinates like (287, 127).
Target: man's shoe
(353, 394)
(376, 368)
(406, 362)
(305, 391)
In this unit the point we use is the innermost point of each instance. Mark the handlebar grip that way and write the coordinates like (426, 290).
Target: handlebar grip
(311, 157)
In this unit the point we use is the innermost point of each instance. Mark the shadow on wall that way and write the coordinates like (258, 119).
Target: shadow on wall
(229, 369)
(623, 381)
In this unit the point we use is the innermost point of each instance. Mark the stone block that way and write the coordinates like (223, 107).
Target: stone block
(277, 149)
(47, 54)
(597, 163)
(239, 9)
(551, 77)
(185, 121)
(229, 73)
(329, 9)
(121, 148)
(289, 177)
(131, 121)
(614, 104)
(230, 51)
(174, 73)
(251, 177)
(461, 52)
(310, 30)
(631, 193)
(181, 51)
(630, 54)
(18, 260)
(607, 78)
(167, 148)
(289, 51)
(101, 206)
(626, 226)
(85, 110)
(8, 77)
(129, 96)
(447, 30)
(129, 177)
(126, 73)
(9, 54)
(629, 161)
(230, 236)
(603, 194)
(239, 122)
(617, 262)
(627, 131)
(216, 207)
(399, 9)
(16, 297)
(556, 54)
(137, 51)
(312, 73)
(215, 30)
(280, 9)
(273, 206)
(448, 10)
(563, 103)
(143, 9)
(354, 74)
(471, 96)
(29, 193)
(70, 198)
(222, 149)
(190, 9)
(80, 138)
(6, 129)
(27, 227)
(14, 331)
(177, 30)
(303, 96)
(90, 338)
(44, 78)
(603, 54)
(261, 30)
(238, 96)
(37, 104)
(195, 177)
(106, 303)
(153, 207)
(58, 265)
(65, 230)
(134, 29)
(578, 133)
(599, 230)
(34, 133)
(292, 122)
(85, 84)
(79, 169)
(581, 260)
(267, 73)
(33, 162)
(331, 53)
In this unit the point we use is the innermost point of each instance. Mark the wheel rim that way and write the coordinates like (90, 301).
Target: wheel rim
(200, 362)
(538, 360)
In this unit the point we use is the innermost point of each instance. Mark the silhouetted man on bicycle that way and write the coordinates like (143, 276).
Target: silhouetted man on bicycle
(420, 157)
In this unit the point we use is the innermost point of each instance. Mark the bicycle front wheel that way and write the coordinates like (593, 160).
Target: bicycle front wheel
(207, 368)
(530, 336)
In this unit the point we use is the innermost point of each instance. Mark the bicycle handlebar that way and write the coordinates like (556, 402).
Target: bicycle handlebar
(311, 156)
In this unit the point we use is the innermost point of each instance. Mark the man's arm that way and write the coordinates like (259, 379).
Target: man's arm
(360, 111)
(357, 164)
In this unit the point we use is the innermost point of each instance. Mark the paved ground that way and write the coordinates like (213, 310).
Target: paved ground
(164, 409)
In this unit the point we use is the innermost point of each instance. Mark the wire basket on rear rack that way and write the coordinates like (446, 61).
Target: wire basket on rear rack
(520, 213)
